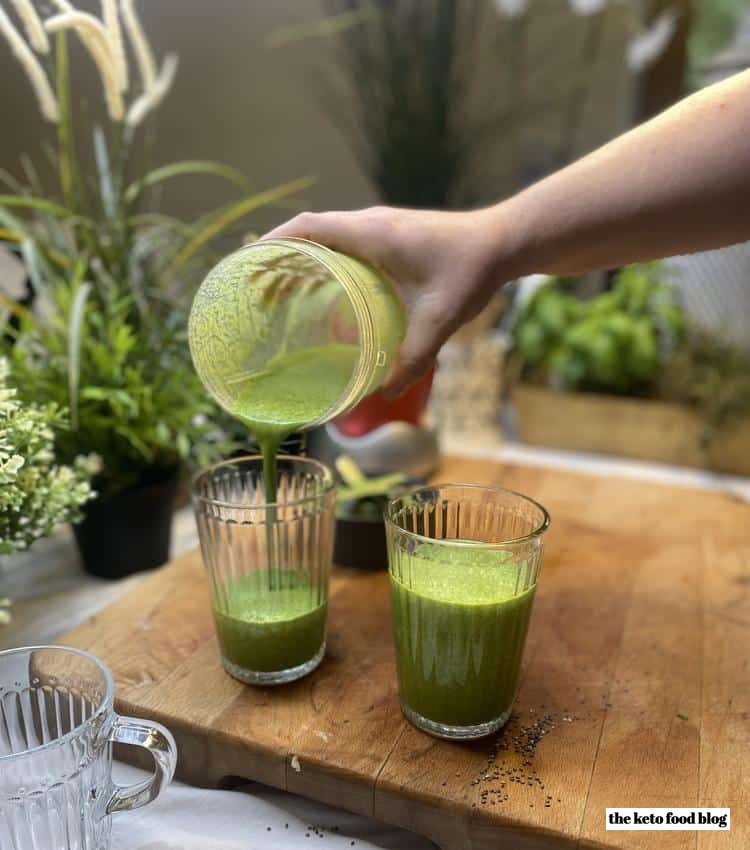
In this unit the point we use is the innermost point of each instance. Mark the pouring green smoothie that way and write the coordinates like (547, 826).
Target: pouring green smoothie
(292, 391)
(285, 335)
(272, 618)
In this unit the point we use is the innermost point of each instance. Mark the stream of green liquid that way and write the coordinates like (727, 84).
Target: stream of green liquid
(290, 393)
(268, 624)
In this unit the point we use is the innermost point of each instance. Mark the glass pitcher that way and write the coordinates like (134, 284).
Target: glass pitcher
(57, 726)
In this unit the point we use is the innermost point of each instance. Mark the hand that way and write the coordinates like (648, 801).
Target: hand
(444, 266)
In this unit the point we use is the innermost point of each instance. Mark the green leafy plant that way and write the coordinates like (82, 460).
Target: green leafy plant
(417, 125)
(137, 402)
(360, 496)
(714, 22)
(711, 376)
(108, 270)
(35, 493)
(614, 342)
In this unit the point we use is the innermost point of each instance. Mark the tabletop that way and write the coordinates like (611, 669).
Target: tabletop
(52, 595)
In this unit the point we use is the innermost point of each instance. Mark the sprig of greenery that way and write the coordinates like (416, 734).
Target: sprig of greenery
(358, 486)
(35, 493)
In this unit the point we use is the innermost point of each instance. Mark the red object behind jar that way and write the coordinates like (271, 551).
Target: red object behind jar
(374, 411)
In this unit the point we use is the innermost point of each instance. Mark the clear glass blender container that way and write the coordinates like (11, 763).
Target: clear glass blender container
(281, 297)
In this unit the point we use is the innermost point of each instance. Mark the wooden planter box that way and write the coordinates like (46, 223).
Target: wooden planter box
(637, 428)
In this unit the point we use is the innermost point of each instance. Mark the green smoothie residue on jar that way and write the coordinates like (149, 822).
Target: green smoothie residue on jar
(461, 616)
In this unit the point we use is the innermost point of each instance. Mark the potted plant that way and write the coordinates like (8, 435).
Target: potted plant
(105, 333)
(36, 494)
(620, 373)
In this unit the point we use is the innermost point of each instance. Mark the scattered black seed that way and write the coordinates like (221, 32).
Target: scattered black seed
(511, 757)
(681, 715)
(268, 829)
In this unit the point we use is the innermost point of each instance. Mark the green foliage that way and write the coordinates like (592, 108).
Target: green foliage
(360, 496)
(35, 493)
(418, 129)
(139, 404)
(713, 377)
(714, 21)
(111, 277)
(614, 342)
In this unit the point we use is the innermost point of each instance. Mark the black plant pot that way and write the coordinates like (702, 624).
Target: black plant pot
(360, 543)
(130, 531)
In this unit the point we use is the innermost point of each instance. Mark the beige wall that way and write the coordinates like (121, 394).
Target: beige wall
(260, 108)
(235, 99)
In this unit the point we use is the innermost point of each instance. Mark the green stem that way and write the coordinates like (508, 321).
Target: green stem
(67, 166)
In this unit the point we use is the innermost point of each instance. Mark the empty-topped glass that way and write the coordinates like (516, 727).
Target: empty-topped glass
(57, 725)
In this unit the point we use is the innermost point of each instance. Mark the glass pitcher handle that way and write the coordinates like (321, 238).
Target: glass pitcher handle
(160, 743)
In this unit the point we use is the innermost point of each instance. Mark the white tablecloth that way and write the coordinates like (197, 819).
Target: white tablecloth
(254, 817)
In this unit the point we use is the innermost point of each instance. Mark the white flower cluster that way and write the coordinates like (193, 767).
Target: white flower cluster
(35, 494)
(103, 40)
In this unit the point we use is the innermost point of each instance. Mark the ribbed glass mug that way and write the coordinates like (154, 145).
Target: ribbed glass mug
(268, 564)
(464, 562)
(279, 303)
(57, 726)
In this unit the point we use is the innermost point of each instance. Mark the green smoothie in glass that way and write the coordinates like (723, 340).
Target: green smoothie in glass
(460, 631)
(464, 561)
(266, 629)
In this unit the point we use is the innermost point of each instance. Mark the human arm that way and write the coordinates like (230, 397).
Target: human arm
(679, 183)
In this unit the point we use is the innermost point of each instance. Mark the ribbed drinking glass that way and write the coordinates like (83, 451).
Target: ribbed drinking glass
(464, 562)
(57, 725)
(268, 564)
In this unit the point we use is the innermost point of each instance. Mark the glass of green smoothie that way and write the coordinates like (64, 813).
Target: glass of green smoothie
(268, 563)
(464, 562)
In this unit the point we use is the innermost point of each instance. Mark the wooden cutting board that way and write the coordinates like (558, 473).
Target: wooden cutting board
(637, 668)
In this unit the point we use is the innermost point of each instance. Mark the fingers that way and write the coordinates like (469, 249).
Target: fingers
(348, 232)
(429, 327)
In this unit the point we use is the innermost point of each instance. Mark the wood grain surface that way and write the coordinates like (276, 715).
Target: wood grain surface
(637, 670)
